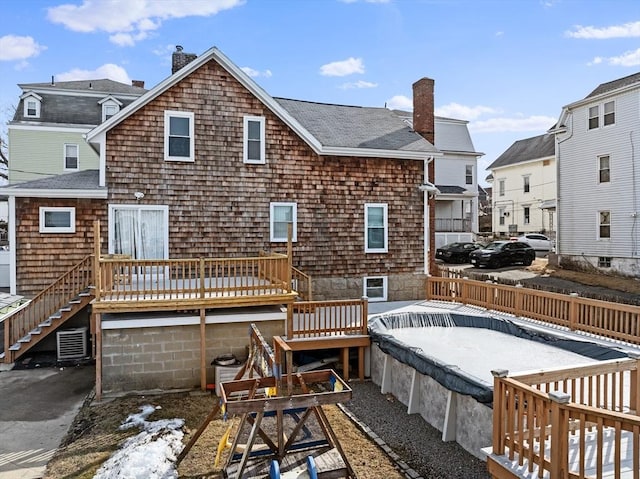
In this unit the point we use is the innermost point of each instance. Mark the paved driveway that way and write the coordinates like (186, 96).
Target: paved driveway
(37, 406)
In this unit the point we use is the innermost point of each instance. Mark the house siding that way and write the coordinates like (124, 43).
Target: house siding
(219, 206)
(44, 257)
(35, 154)
(581, 196)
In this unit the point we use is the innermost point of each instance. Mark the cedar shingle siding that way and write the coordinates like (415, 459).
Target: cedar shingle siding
(43, 257)
(219, 206)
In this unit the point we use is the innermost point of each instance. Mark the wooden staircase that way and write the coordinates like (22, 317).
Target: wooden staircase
(47, 311)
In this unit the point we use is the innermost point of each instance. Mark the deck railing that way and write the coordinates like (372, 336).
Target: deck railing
(571, 422)
(188, 279)
(327, 318)
(48, 302)
(611, 320)
(302, 284)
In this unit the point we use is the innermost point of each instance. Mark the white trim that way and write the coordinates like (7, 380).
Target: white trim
(294, 221)
(110, 98)
(12, 246)
(373, 153)
(25, 103)
(84, 92)
(385, 225)
(42, 193)
(168, 114)
(163, 321)
(107, 102)
(245, 140)
(58, 229)
(64, 157)
(365, 288)
(41, 127)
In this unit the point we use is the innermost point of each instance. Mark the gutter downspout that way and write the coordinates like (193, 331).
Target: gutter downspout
(558, 142)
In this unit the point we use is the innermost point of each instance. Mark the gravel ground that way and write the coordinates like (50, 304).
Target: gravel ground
(416, 442)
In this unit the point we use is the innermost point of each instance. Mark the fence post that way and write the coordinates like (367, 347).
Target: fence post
(559, 434)
(573, 311)
(519, 296)
(489, 294)
(365, 315)
(289, 330)
(634, 393)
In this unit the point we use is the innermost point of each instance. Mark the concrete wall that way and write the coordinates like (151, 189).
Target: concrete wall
(473, 421)
(168, 357)
(400, 287)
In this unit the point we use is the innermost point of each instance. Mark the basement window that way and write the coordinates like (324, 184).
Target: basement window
(604, 262)
(375, 288)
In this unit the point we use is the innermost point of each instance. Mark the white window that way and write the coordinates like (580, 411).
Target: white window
(527, 215)
(594, 117)
(375, 288)
(375, 228)
(282, 215)
(31, 104)
(57, 219)
(468, 174)
(254, 142)
(501, 188)
(609, 113)
(526, 184)
(178, 136)
(604, 172)
(140, 231)
(501, 215)
(108, 110)
(604, 229)
(71, 159)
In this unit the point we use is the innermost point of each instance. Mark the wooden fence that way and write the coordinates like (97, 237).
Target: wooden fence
(611, 320)
(316, 319)
(572, 422)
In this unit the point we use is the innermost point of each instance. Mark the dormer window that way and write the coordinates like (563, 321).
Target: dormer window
(31, 103)
(110, 106)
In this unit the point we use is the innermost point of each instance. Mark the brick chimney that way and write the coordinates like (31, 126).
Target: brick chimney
(138, 83)
(423, 121)
(424, 125)
(180, 59)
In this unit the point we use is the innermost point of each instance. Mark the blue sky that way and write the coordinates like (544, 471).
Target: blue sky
(506, 66)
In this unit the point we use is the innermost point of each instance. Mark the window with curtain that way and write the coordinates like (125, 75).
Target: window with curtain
(604, 230)
(282, 215)
(140, 232)
(375, 219)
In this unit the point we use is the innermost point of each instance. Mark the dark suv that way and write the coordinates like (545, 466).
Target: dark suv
(502, 253)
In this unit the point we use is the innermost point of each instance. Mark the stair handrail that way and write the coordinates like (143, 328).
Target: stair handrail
(50, 300)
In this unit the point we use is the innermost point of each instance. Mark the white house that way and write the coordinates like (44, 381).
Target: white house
(597, 150)
(524, 187)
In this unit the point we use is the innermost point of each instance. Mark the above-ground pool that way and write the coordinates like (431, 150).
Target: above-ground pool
(438, 361)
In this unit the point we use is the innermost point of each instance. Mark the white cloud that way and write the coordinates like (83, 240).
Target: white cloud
(400, 102)
(343, 68)
(129, 21)
(496, 125)
(627, 59)
(463, 112)
(108, 70)
(627, 30)
(13, 47)
(256, 73)
(358, 84)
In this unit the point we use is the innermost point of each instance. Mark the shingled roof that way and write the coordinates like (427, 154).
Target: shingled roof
(79, 180)
(541, 146)
(615, 84)
(79, 104)
(355, 126)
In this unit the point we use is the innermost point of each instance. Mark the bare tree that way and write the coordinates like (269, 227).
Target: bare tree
(4, 144)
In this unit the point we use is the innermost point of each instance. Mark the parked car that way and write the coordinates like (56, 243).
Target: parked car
(537, 241)
(502, 253)
(457, 252)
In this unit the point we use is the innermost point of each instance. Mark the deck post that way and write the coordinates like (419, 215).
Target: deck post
(634, 393)
(559, 434)
(345, 363)
(498, 410)
(573, 311)
(203, 349)
(98, 346)
(96, 259)
(289, 327)
(289, 256)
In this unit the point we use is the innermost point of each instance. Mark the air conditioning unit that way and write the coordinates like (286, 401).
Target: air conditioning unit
(72, 344)
(222, 374)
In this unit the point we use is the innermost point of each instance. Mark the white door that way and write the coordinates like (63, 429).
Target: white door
(140, 231)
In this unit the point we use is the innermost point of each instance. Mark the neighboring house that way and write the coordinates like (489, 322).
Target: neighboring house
(46, 135)
(599, 178)
(456, 180)
(208, 165)
(524, 187)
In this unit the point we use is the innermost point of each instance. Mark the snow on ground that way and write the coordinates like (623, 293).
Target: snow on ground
(151, 454)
